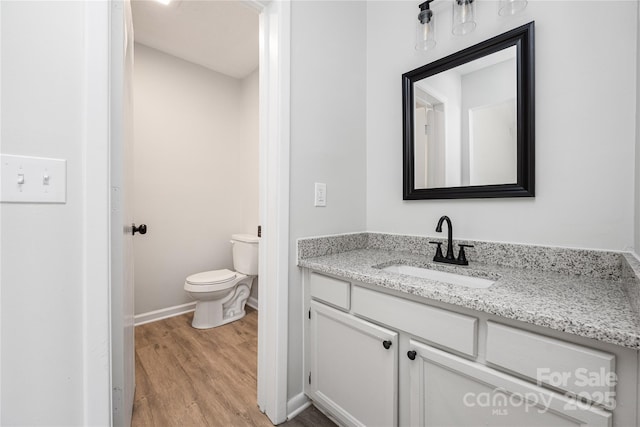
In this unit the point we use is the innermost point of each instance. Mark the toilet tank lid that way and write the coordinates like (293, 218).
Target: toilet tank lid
(249, 238)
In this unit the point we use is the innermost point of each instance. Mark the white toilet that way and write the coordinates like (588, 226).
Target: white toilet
(221, 294)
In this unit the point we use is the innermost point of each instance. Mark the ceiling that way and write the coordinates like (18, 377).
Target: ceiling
(220, 35)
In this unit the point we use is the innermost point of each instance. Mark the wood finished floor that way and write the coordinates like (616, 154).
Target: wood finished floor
(190, 377)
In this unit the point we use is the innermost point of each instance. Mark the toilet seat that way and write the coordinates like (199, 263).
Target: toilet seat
(210, 281)
(211, 277)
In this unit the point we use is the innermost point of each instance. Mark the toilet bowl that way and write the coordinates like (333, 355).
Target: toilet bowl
(221, 294)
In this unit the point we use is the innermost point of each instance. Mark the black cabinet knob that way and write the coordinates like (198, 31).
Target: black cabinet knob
(412, 355)
(386, 344)
(142, 229)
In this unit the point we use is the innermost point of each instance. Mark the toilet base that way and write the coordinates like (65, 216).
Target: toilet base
(212, 313)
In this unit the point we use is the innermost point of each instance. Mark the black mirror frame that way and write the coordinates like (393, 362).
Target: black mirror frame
(523, 39)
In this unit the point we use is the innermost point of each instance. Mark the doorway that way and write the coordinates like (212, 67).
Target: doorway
(195, 152)
(195, 160)
(273, 193)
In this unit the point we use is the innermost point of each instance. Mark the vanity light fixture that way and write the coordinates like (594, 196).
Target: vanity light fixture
(511, 7)
(463, 17)
(425, 29)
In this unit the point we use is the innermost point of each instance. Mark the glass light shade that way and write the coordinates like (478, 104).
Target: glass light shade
(425, 35)
(463, 17)
(511, 7)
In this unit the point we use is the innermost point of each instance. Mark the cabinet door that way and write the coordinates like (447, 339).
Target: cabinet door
(446, 390)
(353, 373)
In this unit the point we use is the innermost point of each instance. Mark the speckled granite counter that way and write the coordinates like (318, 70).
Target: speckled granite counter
(593, 294)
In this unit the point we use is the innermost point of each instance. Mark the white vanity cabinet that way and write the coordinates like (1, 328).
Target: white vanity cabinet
(450, 366)
(354, 368)
(447, 390)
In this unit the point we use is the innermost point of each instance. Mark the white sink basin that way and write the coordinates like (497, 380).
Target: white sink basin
(440, 276)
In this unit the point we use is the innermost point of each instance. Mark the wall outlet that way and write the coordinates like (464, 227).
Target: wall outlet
(320, 194)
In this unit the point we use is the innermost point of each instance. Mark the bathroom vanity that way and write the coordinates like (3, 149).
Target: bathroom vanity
(553, 340)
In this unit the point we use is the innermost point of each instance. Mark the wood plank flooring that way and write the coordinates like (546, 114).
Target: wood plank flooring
(190, 377)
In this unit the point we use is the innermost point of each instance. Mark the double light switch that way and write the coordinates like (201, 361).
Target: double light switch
(26, 179)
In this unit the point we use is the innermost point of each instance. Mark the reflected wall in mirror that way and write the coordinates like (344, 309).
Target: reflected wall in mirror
(469, 120)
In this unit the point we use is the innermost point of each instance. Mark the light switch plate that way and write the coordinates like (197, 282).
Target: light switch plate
(320, 194)
(26, 179)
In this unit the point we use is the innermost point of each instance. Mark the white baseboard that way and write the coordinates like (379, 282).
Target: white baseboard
(297, 404)
(253, 302)
(164, 313)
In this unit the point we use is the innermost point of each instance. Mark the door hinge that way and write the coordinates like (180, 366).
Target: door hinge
(309, 377)
(259, 231)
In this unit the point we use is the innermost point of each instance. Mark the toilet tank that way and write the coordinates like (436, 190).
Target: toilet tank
(245, 253)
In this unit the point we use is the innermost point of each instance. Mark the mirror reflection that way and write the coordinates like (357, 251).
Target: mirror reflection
(465, 124)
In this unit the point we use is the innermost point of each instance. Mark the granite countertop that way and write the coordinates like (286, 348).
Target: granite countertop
(588, 306)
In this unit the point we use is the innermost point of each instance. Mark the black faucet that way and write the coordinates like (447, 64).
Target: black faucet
(449, 258)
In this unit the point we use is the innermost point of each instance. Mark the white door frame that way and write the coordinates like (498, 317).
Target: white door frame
(97, 230)
(274, 209)
(273, 289)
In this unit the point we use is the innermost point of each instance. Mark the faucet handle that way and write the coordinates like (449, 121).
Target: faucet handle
(438, 250)
(462, 257)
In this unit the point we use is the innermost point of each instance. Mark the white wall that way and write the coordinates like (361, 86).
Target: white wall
(585, 125)
(249, 111)
(195, 163)
(249, 128)
(328, 102)
(42, 245)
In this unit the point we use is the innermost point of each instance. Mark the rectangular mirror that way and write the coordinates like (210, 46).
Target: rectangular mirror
(469, 122)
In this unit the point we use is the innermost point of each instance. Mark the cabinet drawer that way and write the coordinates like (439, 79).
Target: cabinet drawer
(586, 372)
(452, 330)
(332, 291)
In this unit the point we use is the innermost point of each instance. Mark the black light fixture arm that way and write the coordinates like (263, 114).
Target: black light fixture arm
(425, 14)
